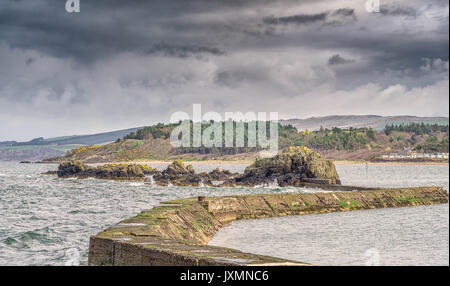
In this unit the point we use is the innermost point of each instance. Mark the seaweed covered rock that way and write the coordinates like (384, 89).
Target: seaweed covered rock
(71, 169)
(108, 171)
(293, 166)
(178, 168)
(218, 177)
(178, 174)
(218, 174)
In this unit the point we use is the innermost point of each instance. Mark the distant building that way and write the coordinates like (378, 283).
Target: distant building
(409, 154)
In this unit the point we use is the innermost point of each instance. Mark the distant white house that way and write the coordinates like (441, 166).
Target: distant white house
(414, 155)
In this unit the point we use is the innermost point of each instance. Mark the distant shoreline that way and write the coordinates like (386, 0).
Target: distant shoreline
(242, 162)
(345, 162)
(336, 162)
(193, 162)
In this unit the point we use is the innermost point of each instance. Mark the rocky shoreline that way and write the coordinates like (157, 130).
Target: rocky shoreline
(293, 166)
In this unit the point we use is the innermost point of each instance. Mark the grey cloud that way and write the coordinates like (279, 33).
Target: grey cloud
(183, 51)
(107, 27)
(338, 60)
(398, 11)
(345, 12)
(29, 61)
(228, 79)
(104, 28)
(304, 19)
(119, 64)
(296, 19)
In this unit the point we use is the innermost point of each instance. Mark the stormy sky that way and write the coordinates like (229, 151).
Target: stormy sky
(120, 64)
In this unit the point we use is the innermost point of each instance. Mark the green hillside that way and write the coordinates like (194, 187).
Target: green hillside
(152, 143)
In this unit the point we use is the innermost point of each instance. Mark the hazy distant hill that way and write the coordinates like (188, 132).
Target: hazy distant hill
(374, 121)
(31, 153)
(92, 139)
(40, 148)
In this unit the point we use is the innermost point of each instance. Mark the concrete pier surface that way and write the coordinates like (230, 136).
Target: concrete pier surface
(176, 233)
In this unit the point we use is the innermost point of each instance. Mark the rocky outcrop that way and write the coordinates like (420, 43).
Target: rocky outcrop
(292, 167)
(176, 233)
(295, 166)
(218, 174)
(108, 171)
(178, 174)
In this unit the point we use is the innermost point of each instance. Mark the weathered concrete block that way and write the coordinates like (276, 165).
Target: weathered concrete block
(101, 251)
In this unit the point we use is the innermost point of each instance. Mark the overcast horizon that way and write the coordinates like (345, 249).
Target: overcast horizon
(189, 113)
(117, 65)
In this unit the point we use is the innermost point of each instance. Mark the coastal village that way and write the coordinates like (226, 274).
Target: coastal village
(408, 154)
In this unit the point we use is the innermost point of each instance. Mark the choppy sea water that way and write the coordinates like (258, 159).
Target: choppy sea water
(47, 221)
(395, 236)
(399, 236)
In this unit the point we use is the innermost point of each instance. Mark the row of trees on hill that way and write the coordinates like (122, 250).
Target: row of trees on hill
(416, 128)
(288, 135)
(433, 144)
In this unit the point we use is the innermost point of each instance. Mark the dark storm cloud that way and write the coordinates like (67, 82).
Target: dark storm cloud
(345, 12)
(338, 60)
(398, 11)
(296, 19)
(105, 27)
(186, 29)
(183, 51)
(304, 19)
(228, 79)
(176, 28)
(119, 63)
(29, 61)
(383, 48)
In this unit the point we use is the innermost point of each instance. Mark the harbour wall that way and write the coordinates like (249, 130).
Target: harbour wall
(176, 233)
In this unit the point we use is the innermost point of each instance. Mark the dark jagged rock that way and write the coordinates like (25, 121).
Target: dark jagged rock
(292, 167)
(50, 173)
(71, 169)
(178, 174)
(217, 177)
(177, 168)
(218, 174)
(108, 171)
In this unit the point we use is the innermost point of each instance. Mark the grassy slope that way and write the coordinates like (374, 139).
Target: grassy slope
(125, 150)
(140, 150)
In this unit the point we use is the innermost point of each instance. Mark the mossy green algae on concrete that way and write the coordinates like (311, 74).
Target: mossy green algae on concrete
(170, 233)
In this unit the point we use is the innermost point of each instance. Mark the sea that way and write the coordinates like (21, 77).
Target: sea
(45, 220)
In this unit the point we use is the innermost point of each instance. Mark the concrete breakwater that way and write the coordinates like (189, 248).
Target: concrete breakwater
(176, 232)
